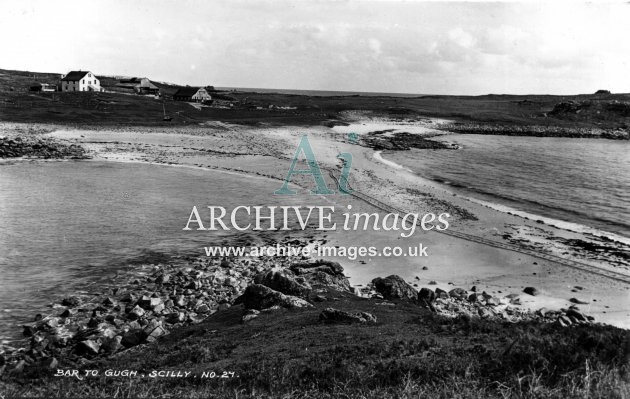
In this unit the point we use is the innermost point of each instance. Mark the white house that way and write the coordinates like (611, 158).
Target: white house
(80, 81)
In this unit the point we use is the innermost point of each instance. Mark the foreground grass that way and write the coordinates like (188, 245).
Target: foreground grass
(408, 353)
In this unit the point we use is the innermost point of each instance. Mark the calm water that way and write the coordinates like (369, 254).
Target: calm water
(64, 225)
(583, 182)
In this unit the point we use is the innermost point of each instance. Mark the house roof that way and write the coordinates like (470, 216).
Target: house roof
(74, 76)
(187, 91)
(144, 82)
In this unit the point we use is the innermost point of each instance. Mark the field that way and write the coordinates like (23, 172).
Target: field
(17, 104)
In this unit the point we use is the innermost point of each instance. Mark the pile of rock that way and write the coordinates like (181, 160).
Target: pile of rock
(534, 130)
(136, 312)
(293, 287)
(14, 147)
(170, 296)
(458, 302)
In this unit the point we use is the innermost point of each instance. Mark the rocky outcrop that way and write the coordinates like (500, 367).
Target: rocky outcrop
(331, 315)
(322, 273)
(259, 297)
(384, 140)
(394, 287)
(537, 130)
(14, 147)
(284, 281)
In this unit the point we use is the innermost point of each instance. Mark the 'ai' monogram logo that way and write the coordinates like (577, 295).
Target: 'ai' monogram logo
(315, 171)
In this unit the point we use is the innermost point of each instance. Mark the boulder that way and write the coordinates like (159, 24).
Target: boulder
(153, 330)
(88, 347)
(578, 301)
(322, 273)
(131, 338)
(258, 296)
(577, 315)
(71, 301)
(440, 293)
(427, 295)
(330, 315)
(394, 287)
(531, 291)
(136, 312)
(458, 293)
(148, 302)
(284, 281)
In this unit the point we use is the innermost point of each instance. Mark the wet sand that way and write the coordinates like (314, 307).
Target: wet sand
(267, 152)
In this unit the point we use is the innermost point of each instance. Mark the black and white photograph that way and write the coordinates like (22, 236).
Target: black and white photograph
(314, 199)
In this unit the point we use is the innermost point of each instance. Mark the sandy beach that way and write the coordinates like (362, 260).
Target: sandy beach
(452, 260)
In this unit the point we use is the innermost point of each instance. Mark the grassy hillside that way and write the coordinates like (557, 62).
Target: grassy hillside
(409, 352)
(18, 105)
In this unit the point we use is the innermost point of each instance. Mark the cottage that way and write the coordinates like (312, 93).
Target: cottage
(190, 94)
(137, 85)
(80, 81)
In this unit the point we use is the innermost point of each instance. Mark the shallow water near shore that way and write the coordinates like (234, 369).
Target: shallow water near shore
(65, 226)
(578, 182)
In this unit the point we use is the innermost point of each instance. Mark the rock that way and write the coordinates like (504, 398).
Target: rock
(248, 317)
(111, 345)
(147, 302)
(440, 293)
(181, 301)
(564, 321)
(432, 282)
(28, 330)
(474, 297)
(51, 363)
(136, 313)
(576, 315)
(320, 298)
(176, 317)
(129, 297)
(258, 296)
(578, 301)
(284, 281)
(531, 291)
(163, 278)
(484, 313)
(426, 294)
(394, 287)
(330, 315)
(202, 308)
(71, 301)
(153, 330)
(458, 293)
(68, 312)
(88, 347)
(425, 268)
(131, 338)
(109, 302)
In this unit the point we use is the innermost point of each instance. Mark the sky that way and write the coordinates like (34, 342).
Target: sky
(470, 48)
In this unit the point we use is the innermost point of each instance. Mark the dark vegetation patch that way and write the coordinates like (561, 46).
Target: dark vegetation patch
(505, 114)
(291, 353)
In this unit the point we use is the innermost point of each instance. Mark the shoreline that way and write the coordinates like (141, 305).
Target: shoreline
(557, 223)
(167, 149)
